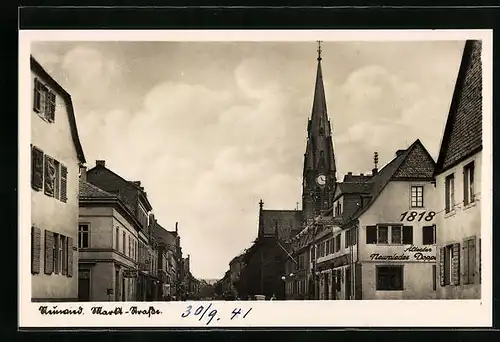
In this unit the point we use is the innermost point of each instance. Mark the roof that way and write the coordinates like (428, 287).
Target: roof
(93, 173)
(286, 222)
(88, 190)
(356, 178)
(462, 135)
(354, 187)
(37, 67)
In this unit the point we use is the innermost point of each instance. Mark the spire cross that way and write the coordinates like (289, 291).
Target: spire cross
(261, 204)
(319, 50)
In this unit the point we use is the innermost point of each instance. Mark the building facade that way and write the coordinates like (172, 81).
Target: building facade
(108, 242)
(56, 155)
(168, 260)
(458, 184)
(132, 194)
(378, 241)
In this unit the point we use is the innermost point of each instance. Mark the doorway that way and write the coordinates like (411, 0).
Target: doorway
(326, 286)
(84, 285)
(117, 285)
(348, 283)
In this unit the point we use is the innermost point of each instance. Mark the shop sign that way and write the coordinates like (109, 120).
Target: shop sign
(129, 273)
(412, 253)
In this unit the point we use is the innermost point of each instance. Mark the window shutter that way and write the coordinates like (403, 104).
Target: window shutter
(70, 256)
(49, 252)
(64, 183)
(49, 176)
(36, 168)
(472, 260)
(479, 261)
(37, 96)
(465, 259)
(64, 270)
(441, 266)
(465, 183)
(371, 234)
(35, 249)
(407, 235)
(455, 264)
(51, 106)
(447, 194)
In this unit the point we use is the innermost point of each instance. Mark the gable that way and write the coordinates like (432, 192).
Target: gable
(417, 165)
(463, 131)
(39, 71)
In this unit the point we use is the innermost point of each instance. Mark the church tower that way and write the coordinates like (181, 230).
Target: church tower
(319, 175)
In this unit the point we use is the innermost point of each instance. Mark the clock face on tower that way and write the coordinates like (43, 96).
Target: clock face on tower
(321, 179)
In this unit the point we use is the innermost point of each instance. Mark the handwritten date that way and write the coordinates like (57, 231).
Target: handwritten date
(210, 313)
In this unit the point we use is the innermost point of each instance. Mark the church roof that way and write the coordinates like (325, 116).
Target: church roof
(354, 187)
(463, 131)
(286, 222)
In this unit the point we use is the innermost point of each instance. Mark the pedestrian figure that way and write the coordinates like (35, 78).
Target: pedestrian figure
(273, 297)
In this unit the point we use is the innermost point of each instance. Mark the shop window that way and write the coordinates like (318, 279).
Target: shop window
(390, 278)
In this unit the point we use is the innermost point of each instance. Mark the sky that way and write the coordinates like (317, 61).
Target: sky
(210, 128)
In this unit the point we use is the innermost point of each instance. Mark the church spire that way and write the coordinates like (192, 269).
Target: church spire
(319, 160)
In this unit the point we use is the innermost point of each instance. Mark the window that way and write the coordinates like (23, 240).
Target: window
(48, 174)
(396, 235)
(382, 234)
(417, 196)
(408, 235)
(130, 246)
(429, 235)
(337, 243)
(469, 183)
(338, 209)
(390, 278)
(44, 101)
(449, 193)
(123, 242)
(83, 235)
(117, 239)
(449, 264)
(469, 260)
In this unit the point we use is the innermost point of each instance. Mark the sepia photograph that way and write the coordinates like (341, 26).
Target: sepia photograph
(292, 171)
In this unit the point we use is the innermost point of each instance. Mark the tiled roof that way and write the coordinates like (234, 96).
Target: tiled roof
(287, 222)
(356, 178)
(90, 190)
(354, 187)
(463, 131)
(419, 164)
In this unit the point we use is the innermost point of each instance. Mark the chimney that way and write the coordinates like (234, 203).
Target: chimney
(400, 152)
(375, 161)
(176, 224)
(137, 183)
(100, 163)
(83, 173)
(361, 174)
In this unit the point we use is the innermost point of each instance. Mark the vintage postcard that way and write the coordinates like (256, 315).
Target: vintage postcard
(255, 178)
